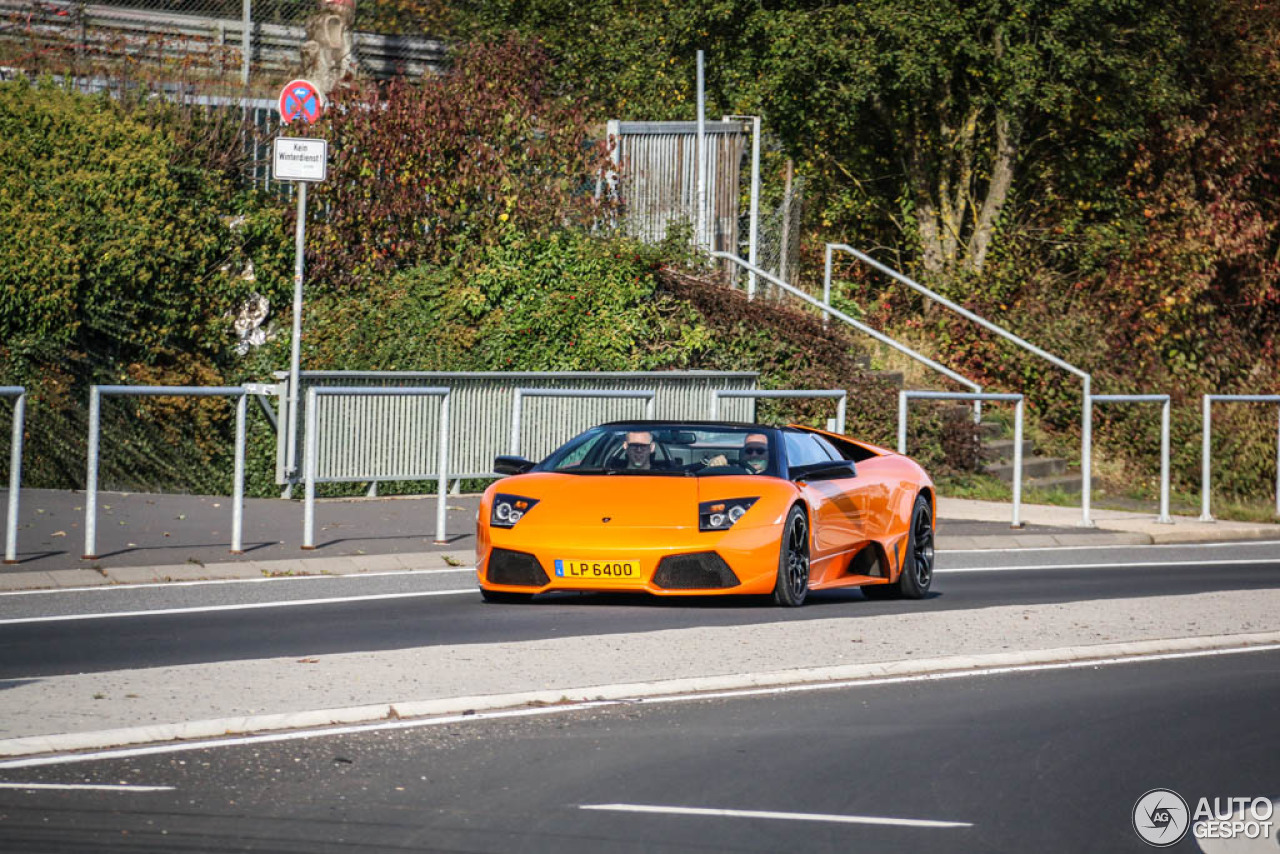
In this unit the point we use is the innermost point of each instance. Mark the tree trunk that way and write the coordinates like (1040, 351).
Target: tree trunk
(997, 191)
(328, 54)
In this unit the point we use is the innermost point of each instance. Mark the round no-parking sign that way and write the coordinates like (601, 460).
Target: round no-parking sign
(300, 99)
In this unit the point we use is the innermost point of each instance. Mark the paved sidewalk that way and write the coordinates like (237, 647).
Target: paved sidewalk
(154, 538)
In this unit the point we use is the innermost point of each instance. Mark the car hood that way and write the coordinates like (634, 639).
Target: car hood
(628, 501)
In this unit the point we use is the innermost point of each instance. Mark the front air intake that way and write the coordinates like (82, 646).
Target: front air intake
(515, 568)
(699, 571)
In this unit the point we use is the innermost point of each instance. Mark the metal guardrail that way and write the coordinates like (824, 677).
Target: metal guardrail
(517, 407)
(838, 394)
(481, 411)
(312, 441)
(153, 34)
(19, 395)
(861, 327)
(1086, 419)
(1163, 399)
(97, 392)
(905, 395)
(1206, 450)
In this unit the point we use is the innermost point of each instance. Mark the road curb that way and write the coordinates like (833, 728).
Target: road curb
(204, 730)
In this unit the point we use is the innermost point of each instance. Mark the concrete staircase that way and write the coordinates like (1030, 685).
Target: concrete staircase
(1038, 471)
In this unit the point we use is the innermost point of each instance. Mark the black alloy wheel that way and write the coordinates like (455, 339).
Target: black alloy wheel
(917, 570)
(793, 561)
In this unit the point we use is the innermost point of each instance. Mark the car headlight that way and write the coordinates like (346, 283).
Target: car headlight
(509, 509)
(721, 515)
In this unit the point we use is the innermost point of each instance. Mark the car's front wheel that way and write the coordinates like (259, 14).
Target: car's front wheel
(917, 569)
(793, 561)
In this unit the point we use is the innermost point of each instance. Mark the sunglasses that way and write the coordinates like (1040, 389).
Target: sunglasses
(755, 450)
(635, 446)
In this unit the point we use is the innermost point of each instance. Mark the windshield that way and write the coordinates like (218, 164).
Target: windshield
(667, 450)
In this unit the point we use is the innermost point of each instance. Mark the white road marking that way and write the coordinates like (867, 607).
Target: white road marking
(1127, 565)
(1114, 547)
(102, 588)
(785, 816)
(246, 606)
(536, 711)
(85, 787)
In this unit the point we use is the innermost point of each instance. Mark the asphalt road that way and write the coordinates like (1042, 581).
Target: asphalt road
(45, 634)
(1050, 760)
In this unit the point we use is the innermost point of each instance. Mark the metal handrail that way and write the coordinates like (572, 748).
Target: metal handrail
(648, 395)
(310, 453)
(19, 395)
(861, 327)
(906, 395)
(1209, 400)
(1163, 399)
(1086, 416)
(838, 394)
(96, 394)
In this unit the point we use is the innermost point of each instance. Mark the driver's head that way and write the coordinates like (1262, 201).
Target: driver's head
(640, 448)
(755, 452)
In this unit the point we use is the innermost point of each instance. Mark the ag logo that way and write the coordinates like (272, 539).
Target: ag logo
(1160, 817)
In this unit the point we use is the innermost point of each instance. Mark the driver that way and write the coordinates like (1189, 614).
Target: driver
(754, 455)
(640, 447)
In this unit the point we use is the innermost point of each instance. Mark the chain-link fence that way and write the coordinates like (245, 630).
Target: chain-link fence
(210, 42)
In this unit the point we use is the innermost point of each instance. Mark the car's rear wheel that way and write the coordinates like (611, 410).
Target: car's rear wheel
(793, 561)
(504, 596)
(917, 569)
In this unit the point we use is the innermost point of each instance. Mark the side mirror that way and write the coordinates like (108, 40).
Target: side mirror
(824, 471)
(505, 464)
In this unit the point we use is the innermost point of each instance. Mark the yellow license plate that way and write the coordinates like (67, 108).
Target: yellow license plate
(604, 570)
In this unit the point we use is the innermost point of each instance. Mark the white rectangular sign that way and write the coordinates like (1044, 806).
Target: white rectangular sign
(300, 159)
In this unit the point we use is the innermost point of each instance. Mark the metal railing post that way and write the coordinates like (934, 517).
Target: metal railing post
(309, 474)
(19, 395)
(97, 392)
(237, 500)
(1205, 451)
(441, 507)
(1086, 454)
(1164, 401)
(902, 422)
(826, 284)
(1017, 464)
(246, 43)
(1164, 462)
(841, 407)
(91, 477)
(1206, 413)
(517, 406)
(907, 395)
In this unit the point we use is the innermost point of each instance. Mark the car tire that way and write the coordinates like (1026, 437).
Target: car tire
(793, 561)
(917, 567)
(505, 597)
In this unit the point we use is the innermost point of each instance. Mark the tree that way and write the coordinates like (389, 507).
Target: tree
(942, 103)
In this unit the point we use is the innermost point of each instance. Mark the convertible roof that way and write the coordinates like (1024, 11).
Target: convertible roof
(673, 422)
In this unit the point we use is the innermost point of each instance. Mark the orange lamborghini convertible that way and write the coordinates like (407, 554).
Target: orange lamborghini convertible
(707, 508)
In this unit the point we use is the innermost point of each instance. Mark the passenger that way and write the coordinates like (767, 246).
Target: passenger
(755, 452)
(640, 447)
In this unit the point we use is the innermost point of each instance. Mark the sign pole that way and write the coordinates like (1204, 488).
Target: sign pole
(295, 348)
(301, 161)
